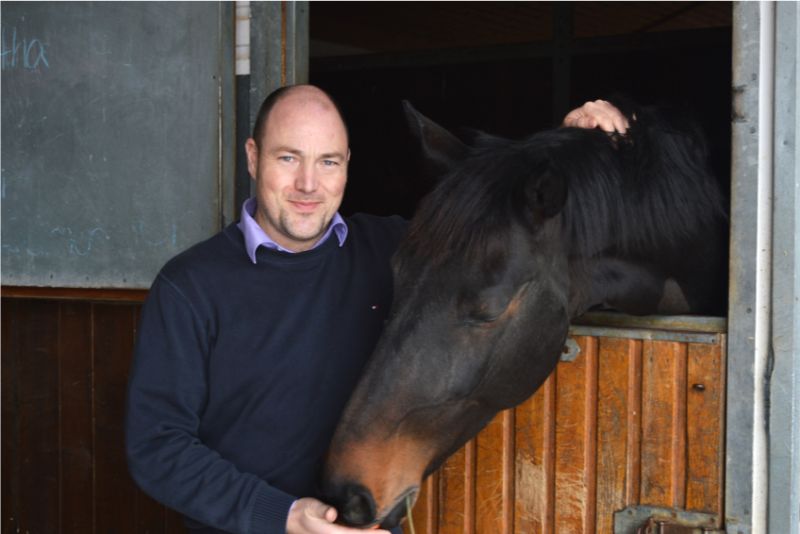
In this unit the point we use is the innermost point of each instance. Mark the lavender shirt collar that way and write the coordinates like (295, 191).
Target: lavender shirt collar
(254, 235)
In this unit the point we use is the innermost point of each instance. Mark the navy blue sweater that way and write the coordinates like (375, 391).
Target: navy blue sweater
(242, 370)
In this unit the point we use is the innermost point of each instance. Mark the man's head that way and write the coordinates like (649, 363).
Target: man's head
(298, 158)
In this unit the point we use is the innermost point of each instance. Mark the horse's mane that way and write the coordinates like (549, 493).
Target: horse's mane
(652, 188)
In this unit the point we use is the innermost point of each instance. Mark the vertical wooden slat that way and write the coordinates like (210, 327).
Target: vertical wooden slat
(509, 470)
(489, 478)
(534, 480)
(35, 353)
(173, 522)
(663, 379)
(633, 438)
(470, 468)
(590, 431)
(612, 429)
(115, 493)
(11, 334)
(574, 440)
(549, 453)
(75, 420)
(451, 494)
(705, 427)
(426, 509)
(678, 475)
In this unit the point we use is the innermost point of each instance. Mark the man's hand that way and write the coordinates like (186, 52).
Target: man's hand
(598, 114)
(310, 516)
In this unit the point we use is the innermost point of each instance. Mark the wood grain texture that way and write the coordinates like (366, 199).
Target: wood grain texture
(64, 372)
(628, 422)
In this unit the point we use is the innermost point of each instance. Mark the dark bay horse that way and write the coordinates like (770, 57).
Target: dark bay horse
(518, 238)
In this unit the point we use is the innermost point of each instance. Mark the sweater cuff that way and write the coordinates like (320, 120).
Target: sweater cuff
(270, 511)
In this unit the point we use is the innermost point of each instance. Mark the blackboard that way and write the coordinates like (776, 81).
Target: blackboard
(112, 128)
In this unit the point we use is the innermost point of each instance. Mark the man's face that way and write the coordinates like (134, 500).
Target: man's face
(300, 169)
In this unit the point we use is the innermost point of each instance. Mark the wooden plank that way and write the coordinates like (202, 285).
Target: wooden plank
(614, 446)
(509, 468)
(663, 424)
(452, 494)
(705, 428)
(534, 480)
(75, 420)
(426, 510)
(470, 467)
(9, 402)
(35, 353)
(633, 439)
(576, 434)
(115, 493)
(494, 475)
(75, 293)
(173, 522)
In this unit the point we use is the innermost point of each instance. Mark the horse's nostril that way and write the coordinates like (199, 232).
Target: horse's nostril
(358, 508)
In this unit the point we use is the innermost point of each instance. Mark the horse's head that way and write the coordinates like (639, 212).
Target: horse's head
(478, 321)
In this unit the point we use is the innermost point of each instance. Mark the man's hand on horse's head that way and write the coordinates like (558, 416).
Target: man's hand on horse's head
(598, 114)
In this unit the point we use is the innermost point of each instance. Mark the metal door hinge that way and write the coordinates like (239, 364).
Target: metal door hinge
(655, 520)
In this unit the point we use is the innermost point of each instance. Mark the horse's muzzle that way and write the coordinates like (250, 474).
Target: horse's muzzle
(357, 508)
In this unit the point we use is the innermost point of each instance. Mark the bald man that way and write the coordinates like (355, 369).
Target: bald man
(251, 342)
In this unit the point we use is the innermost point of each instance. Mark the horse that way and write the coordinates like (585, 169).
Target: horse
(518, 238)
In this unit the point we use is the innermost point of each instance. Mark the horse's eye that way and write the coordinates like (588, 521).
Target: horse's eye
(482, 318)
(494, 305)
(487, 310)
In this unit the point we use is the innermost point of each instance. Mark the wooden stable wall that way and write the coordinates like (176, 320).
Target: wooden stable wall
(64, 374)
(628, 421)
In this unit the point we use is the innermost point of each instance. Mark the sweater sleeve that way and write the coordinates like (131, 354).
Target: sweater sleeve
(167, 392)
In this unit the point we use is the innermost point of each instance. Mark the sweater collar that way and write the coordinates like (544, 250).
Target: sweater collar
(255, 236)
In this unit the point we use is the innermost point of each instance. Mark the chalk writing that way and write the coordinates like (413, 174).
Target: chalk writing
(23, 53)
(170, 239)
(83, 243)
(31, 252)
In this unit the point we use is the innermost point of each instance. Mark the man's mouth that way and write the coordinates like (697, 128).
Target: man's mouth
(305, 206)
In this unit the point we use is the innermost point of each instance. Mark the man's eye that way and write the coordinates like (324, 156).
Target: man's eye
(287, 159)
(329, 163)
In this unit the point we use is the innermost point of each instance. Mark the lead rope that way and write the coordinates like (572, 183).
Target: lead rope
(409, 518)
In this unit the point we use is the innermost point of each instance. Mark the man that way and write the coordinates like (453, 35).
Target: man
(251, 342)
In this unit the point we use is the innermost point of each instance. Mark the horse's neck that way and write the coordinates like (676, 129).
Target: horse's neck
(626, 285)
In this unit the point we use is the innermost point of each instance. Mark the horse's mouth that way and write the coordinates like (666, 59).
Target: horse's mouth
(398, 509)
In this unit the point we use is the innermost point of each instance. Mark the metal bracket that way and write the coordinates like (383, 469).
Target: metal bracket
(655, 520)
(571, 350)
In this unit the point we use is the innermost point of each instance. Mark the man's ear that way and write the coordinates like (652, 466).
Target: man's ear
(440, 149)
(251, 148)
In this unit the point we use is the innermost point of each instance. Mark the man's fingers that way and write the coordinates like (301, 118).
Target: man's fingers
(330, 514)
(598, 114)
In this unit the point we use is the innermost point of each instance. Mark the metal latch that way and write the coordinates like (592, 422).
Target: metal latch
(655, 520)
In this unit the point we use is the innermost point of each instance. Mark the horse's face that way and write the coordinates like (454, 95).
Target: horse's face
(474, 329)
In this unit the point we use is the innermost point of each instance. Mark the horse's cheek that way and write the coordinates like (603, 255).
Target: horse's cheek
(525, 358)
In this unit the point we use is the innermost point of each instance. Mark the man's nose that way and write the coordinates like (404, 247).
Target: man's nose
(306, 180)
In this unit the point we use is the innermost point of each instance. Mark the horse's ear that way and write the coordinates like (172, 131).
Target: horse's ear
(441, 150)
(547, 195)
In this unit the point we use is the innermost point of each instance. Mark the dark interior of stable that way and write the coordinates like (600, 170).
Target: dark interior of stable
(508, 68)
